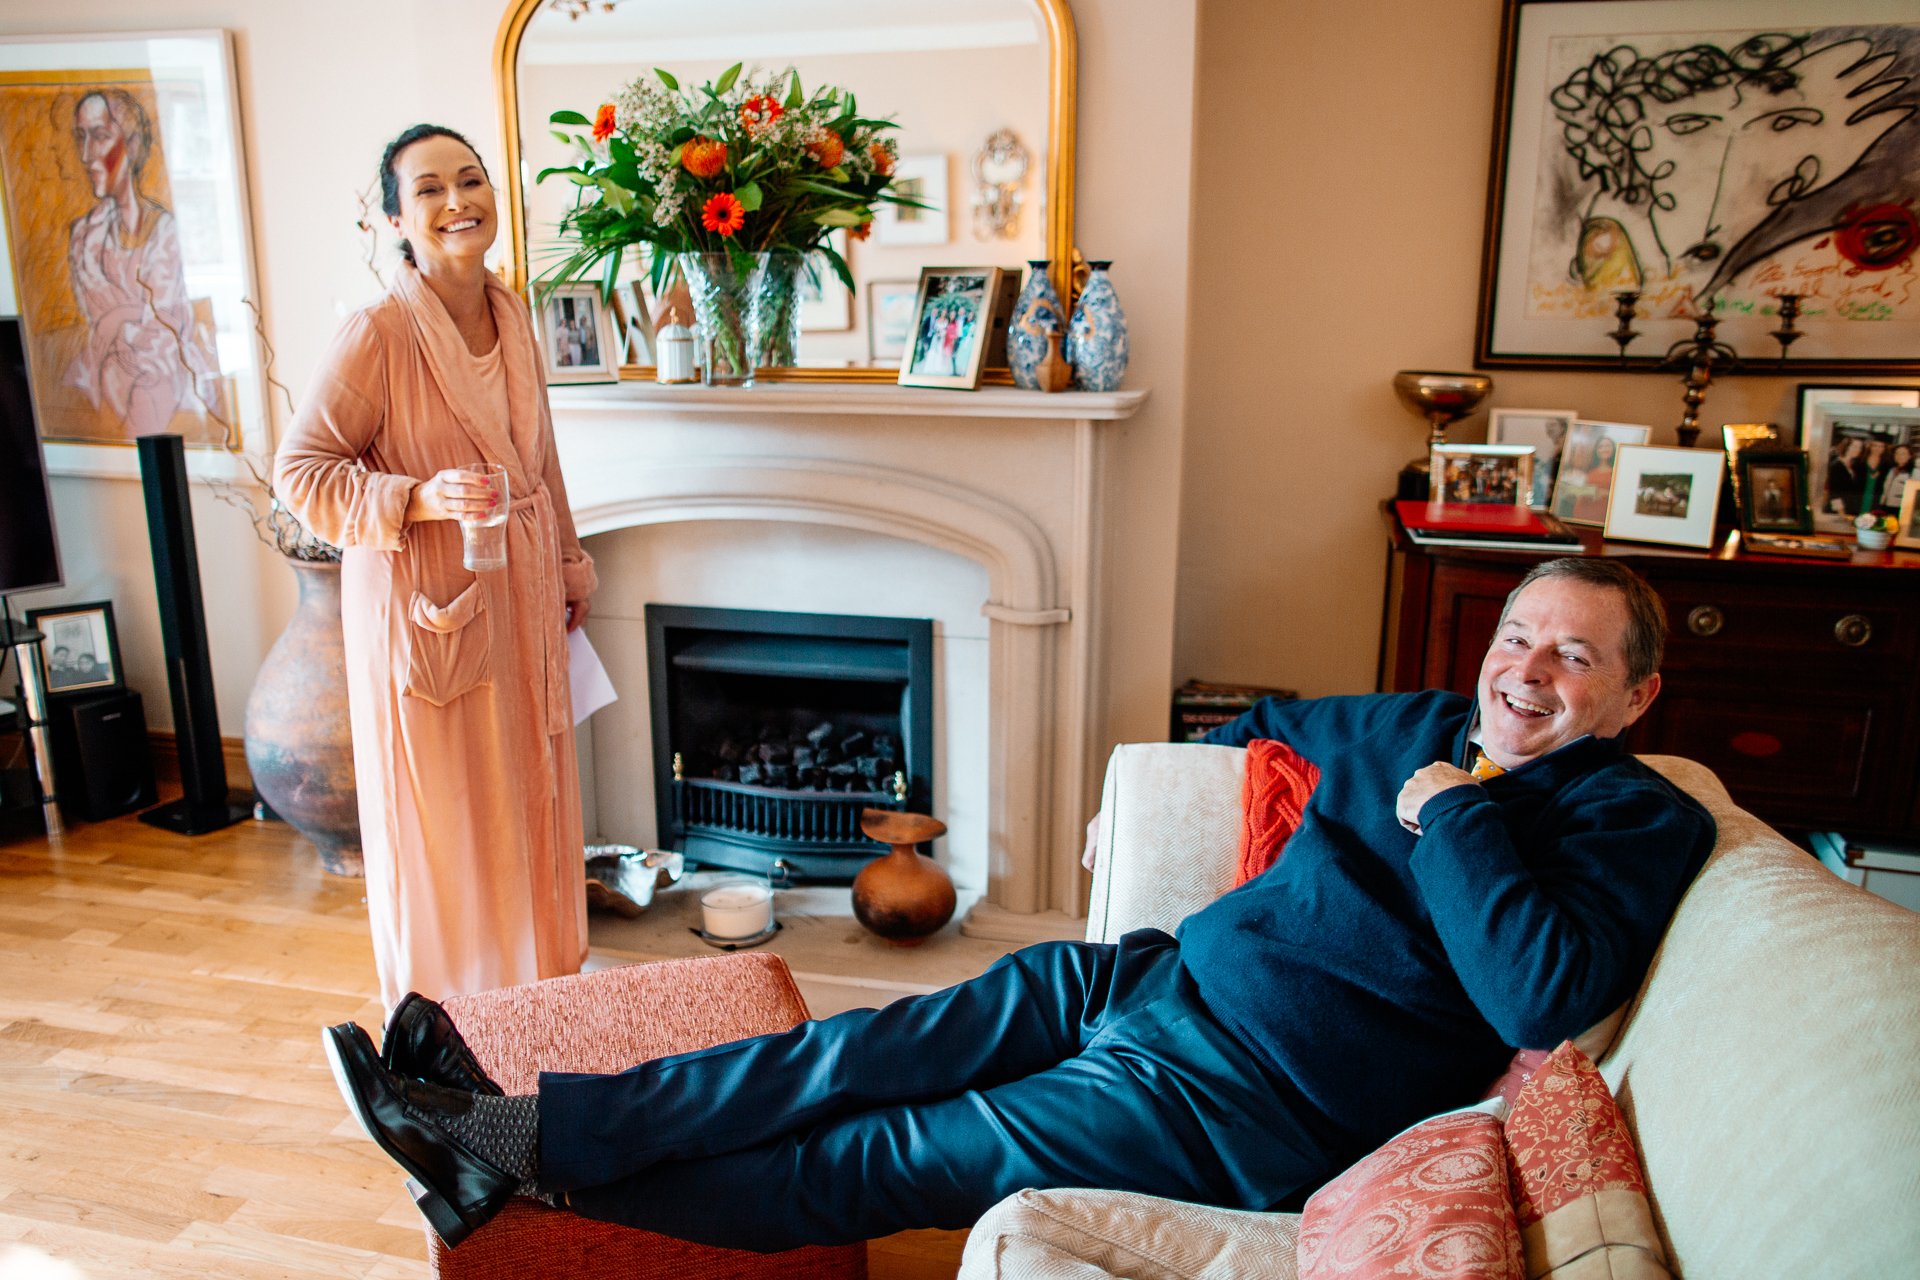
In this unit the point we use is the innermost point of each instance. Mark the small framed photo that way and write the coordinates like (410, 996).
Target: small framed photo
(1665, 495)
(922, 178)
(1544, 429)
(1581, 490)
(890, 306)
(952, 327)
(1857, 456)
(1908, 534)
(1483, 474)
(826, 306)
(576, 335)
(1773, 492)
(81, 650)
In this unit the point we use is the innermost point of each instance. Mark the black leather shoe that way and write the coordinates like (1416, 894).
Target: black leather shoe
(456, 1189)
(422, 1043)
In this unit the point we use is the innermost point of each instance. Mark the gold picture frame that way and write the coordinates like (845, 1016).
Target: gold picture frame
(959, 322)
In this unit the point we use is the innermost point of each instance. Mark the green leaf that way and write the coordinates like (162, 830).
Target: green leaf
(567, 117)
(840, 267)
(838, 173)
(566, 140)
(680, 135)
(728, 77)
(794, 97)
(619, 148)
(667, 79)
(614, 194)
(579, 178)
(548, 173)
(749, 195)
(842, 217)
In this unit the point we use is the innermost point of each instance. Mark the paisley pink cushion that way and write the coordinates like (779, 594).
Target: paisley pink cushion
(1434, 1202)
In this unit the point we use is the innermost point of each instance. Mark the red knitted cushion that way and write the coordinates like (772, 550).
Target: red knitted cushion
(1279, 782)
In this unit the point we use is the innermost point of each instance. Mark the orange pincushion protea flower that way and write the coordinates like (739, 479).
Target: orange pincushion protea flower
(723, 213)
(826, 147)
(881, 157)
(862, 231)
(759, 112)
(704, 157)
(603, 125)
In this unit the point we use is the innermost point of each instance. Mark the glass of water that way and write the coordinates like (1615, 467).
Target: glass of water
(483, 539)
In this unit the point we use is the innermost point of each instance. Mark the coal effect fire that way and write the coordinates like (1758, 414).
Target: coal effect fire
(822, 759)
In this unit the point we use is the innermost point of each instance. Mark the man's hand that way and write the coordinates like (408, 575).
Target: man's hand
(1424, 786)
(1092, 854)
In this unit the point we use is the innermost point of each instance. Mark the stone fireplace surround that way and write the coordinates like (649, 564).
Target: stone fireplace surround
(1012, 480)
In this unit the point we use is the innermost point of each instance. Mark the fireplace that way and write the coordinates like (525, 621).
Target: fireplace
(773, 731)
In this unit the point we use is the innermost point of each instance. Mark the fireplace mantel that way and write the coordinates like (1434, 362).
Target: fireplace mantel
(1013, 480)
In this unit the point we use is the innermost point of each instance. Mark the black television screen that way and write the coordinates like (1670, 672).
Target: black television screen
(29, 556)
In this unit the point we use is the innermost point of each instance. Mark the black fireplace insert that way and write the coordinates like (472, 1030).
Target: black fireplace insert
(772, 731)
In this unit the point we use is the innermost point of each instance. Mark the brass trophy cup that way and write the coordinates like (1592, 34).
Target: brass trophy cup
(1443, 399)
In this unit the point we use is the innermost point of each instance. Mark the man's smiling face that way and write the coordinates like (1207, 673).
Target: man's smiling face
(1557, 671)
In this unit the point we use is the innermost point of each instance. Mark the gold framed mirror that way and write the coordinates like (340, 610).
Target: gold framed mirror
(556, 54)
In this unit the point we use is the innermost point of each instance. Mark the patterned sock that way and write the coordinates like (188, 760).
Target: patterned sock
(505, 1132)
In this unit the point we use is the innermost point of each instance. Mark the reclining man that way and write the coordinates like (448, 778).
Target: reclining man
(1469, 876)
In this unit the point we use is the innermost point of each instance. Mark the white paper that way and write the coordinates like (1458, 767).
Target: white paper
(591, 688)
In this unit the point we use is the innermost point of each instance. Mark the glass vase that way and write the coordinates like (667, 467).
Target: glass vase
(774, 323)
(1037, 314)
(1097, 338)
(722, 311)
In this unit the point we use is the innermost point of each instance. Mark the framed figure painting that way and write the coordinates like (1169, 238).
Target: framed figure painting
(1704, 154)
(126, 216)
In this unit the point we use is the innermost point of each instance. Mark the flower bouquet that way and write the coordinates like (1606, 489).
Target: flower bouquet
(737, 183)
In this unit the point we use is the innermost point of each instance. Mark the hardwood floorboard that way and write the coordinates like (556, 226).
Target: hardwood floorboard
(165, 1109)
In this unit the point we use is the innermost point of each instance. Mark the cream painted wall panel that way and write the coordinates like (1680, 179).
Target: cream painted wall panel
(1340, 182)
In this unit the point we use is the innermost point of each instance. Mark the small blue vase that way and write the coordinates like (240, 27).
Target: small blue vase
(1037, 314)
(1097, 338)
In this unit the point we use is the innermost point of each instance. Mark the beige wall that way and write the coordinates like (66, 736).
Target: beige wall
(323, 86)
(1340, 183)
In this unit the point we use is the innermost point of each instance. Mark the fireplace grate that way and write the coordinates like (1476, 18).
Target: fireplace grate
(773, 818)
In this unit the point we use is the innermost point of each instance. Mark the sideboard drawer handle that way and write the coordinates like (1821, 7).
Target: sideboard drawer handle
(1706, 620)
(1853, 630)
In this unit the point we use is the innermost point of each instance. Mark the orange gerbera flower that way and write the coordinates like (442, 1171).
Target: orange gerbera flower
(862, 231)
(723, 213)
(826, 147)
(603, 125)
(704, 157)
(759, 112)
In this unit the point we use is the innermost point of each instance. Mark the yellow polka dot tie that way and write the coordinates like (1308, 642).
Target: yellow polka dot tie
(1485, 768)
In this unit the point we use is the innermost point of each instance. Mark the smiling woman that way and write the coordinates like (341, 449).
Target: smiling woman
(457, 676)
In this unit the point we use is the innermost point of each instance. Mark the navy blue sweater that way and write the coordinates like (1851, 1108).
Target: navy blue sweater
(1387, 975)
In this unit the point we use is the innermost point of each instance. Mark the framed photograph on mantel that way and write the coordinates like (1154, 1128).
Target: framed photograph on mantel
(1703, 152)
(1665, 495)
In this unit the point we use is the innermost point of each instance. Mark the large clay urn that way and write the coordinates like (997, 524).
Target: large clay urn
(299, 740)
(902, 897)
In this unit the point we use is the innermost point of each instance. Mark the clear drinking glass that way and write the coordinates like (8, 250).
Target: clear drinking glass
(483, 541)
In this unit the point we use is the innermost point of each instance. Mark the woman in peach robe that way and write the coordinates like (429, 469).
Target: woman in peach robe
(457, 681)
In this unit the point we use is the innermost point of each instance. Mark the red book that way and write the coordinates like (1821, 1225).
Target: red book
(1502, 521)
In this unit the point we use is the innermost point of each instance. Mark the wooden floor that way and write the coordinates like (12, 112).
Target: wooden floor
(165, 1109)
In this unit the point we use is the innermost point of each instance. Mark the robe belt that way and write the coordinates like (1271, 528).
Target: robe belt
(549, 602)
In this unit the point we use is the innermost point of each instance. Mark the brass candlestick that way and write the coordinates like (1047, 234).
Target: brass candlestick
(1624, 332)
(1786, 335)
(1698, 355)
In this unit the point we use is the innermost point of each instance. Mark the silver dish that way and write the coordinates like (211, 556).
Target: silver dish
(633, 872)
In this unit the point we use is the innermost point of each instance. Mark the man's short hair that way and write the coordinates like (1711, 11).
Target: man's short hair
(1646, 637)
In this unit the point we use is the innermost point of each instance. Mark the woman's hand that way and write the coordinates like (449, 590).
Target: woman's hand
(452, 494)
(577, 612)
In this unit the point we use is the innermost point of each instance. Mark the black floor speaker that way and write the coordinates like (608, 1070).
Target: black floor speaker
(207, 805)
(102, 761)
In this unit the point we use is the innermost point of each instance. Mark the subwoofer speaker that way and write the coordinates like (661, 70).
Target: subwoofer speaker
(101, 755)
(207, 805)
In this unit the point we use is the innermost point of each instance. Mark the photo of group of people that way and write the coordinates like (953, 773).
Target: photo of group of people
(1483, 475)
(949, 325)
(575, 341)
(77, 646)
(1869, 466)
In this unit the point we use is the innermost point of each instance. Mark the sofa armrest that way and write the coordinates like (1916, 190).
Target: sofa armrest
(1169, 835)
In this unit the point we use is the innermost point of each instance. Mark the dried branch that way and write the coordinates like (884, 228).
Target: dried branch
(370, 233)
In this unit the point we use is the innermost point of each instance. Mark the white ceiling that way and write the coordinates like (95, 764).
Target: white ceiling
(762, 30)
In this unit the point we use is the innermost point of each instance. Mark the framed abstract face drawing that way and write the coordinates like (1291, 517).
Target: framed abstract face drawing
(1705, 154)
(129, 240)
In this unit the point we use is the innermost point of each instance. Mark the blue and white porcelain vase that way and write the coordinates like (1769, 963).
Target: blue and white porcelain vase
(1097, 338)
(1037, 314)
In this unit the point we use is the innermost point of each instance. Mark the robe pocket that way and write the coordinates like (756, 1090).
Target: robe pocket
(449, 647)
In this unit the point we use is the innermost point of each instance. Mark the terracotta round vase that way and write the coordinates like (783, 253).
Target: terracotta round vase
(299, 739)
(902, 897)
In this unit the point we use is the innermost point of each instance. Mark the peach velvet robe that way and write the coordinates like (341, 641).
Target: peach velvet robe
(457, 682)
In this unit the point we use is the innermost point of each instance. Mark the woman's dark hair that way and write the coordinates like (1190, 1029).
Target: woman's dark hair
(390, 181)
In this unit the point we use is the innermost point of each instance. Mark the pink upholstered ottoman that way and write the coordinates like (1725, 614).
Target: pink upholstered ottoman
(606, 1022)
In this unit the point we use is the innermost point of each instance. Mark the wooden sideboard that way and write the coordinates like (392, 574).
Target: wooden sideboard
(1796, 681)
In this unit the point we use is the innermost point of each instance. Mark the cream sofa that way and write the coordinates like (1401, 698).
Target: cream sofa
(1769, 1067)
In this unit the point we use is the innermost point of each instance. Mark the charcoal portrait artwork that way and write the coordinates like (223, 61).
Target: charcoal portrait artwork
(120, 347)
(1663, 495)
(1715, 167)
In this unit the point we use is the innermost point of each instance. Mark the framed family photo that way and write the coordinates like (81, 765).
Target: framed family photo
(1482, 474)
(576, 335)
(1665, 495)
(1584, 486)
(1544, 429)
(1703, 152)
(1773, 492)
(953, 326)
(1861, 458)
(1908, 534)
(80, 650)
(125, 195)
